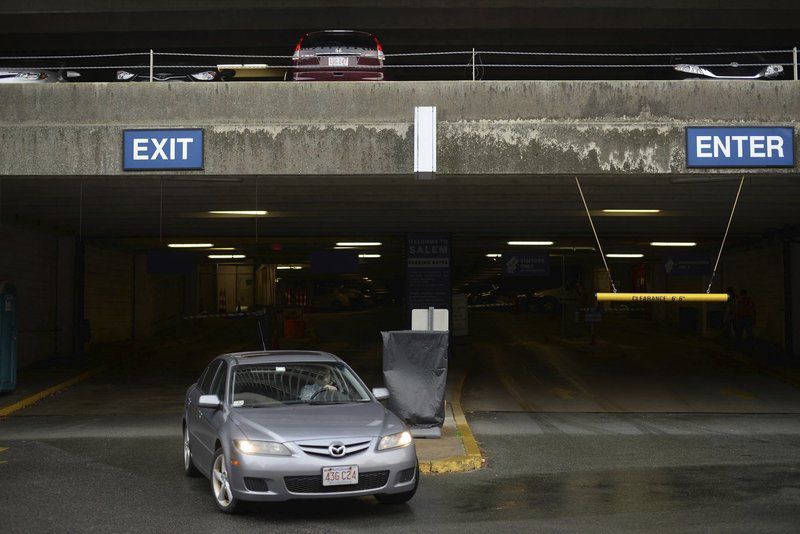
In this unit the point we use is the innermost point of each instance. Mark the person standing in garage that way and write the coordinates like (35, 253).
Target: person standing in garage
(745, 317)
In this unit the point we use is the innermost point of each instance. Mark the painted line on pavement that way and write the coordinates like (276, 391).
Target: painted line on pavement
(472, 458)
(5, 411)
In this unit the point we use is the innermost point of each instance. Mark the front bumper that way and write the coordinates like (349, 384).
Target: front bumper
(283, 478)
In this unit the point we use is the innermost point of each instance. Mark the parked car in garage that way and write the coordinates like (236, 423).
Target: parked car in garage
(338, 55)
(728, 67)
(172, 75)
(12, 75)
(280, 425)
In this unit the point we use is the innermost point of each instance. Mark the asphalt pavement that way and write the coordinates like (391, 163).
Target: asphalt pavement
(574, 441)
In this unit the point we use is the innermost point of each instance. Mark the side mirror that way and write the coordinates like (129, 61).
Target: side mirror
(380, 393)
(209, 401)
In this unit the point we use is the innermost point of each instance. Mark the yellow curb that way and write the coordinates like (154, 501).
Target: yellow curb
(472, 459)
(36, 397)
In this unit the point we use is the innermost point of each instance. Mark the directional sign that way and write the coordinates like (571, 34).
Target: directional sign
(688, 264)
(733, 147)
(529, 264)
(174, 149)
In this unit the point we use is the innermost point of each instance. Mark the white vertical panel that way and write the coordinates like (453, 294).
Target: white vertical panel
(425, 139)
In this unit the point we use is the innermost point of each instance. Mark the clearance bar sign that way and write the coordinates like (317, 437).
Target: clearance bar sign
(734, 147)
(662, 297)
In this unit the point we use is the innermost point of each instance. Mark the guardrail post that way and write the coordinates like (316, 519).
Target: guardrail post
(794, 60)
(151, 64)
(473, 64)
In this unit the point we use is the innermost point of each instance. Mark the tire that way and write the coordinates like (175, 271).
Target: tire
(189, 469)
(220, 486)
(399, 498)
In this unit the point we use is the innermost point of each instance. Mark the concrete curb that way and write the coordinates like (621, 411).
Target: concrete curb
(5, 411)
(472, 459)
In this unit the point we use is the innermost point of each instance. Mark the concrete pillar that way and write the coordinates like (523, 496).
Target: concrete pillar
(142, 299)
(65, 297)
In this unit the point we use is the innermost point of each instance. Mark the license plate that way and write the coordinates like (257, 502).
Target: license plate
(337, 61)
(340, 475)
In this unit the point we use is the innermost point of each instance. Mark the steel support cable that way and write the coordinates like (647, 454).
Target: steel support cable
(411, 66)
(597, 239)
(725, 237)
(631, 54)
(78, 56)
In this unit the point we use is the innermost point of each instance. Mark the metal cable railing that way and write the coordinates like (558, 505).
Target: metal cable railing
(475, 60)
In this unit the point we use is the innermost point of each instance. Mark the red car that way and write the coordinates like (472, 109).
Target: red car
(334, 55)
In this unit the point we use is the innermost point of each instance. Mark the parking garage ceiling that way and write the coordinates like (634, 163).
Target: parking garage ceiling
(485, 211)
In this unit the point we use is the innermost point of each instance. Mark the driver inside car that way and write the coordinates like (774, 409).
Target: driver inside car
(323, 382)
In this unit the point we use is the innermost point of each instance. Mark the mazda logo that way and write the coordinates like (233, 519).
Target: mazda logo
(337, 449)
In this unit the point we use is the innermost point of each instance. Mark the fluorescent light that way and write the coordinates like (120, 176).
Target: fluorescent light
(226, 256)
(673, 244)
(223, 248)
(630, 211)
(531, 243)
(624, 255)
(359, 244)
(343, 248)
(494, 255)
(369, 255)
(287, 267)
(190, 245)
(239, 212)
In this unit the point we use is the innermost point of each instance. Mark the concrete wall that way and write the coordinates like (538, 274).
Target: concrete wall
(109, 294)
(29, 259)
(526, 127)
(760, 270)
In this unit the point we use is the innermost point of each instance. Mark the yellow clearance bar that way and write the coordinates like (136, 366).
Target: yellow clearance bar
(662, 297)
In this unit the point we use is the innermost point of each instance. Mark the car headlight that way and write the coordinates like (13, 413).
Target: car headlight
(693, 69)
(270, 448)
(772, 70)
(393, 441)
(204, 76)
(124, 75)
(32, 75)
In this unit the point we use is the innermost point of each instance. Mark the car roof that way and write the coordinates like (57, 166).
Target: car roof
(288, 356)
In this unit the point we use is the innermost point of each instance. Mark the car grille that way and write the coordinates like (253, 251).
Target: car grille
(320, 448)
(313, 484)
(255, 484)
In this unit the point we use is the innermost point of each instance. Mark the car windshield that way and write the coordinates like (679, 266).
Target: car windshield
(338, 40)
(259, 385)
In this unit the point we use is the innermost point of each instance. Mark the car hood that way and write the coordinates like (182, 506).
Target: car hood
(304, 421)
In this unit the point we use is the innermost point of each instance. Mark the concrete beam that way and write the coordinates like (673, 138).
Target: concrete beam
(538, 127)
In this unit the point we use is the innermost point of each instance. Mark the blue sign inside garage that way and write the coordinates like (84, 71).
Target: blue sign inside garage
(173, 149)
(732, 147)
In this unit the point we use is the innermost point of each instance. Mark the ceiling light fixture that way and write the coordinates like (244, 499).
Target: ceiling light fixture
(190, 245)
(494, 255)
(359, 244)
(631, 211)
(252, 213)
(531, 243)
(369, 255)
(673, 244)
(624, 255)
(226, 256)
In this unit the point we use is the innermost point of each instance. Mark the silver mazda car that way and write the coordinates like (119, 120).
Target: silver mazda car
(280, 425)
